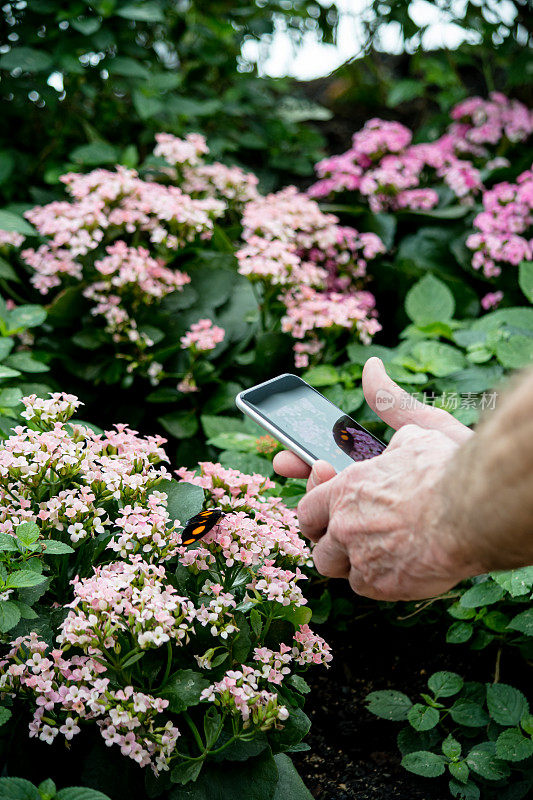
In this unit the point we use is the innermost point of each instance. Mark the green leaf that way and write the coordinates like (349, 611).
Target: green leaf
(323, 375)
(183, 689)
(468, 713)
(7, 543)
(523, 622)
(23, 578)
(506, 704)
(27, 533)
(12, 222)
(255, 779)
(26, 611)
(85, 26)
(437, 358)
(213, 425)
(184, 499)
(129, 67)
(515, 581)
(422, 762)
(403, 91)
(512, 745)
(181, 424)
(27, 59)
(467, 791)
(459, 770)
(80, 793)
(451, 748)
(18, 789)
(7, 272)
(186, 771)
(47, 789)
(142, 12)
(422, 717)
(10, 397)
(289, 786)
(249, 463)
(94, 154)
(25, 363)
(242, 442)
(256, 622)
(429, 300)
(53, 547)
(515, 352)
(525, 279)
(26, 316)
(9, 615)
(299, 684)
(482, 594)
(445, 684)
(483, 761)
(459, 632)
(389, 704)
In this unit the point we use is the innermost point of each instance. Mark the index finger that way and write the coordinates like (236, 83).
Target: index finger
(289, 465)
(313, 511)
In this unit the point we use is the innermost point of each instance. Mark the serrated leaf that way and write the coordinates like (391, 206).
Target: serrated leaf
(9, 615)
(429, 300)
(506, 704)
(184, 499)
(523, 622)
(80, 793)
(515, 581)
(425, 763)
(482, 594)
(451, 747)
(459, 632)
(468, 713)
(512, 745)
(389, 704)
(422, 717)
(445, 684)
(483, 761)
(184, 689)
(24, 578)
(53, 547)
(322, 375)
(27, 533)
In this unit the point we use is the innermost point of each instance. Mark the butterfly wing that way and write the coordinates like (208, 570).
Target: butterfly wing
(197, 527)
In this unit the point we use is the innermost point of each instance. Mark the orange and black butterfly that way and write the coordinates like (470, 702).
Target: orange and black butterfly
(196, 527)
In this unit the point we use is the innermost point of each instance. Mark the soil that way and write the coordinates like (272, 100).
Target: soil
(353, 754)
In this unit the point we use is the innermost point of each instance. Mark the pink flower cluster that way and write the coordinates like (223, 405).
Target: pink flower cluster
(10, 239)
(504, 227)
(200, 179)
(123, 609)
(390, 173)
(69, 691)
(290, 242)
(487, 122)
(202, 336)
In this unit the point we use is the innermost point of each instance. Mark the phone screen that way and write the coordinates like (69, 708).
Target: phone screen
(307, 418)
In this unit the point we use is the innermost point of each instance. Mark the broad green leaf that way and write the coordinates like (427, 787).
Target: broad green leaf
(5, 715)
(86, 26)
(9, 615)
(451, 747)
(459, 632)
(25, 363)
(466, 712)
(422, 717)
(523, 622)
(183, 689)
(213, 425)
(27, 59)
(27, 533)
(249, 463)
(506, 704)
(515, 352)
(47, 789)
(53, 547)
(323, 375)
(10, 397)
(12, 222)
(403, 91)
(94, 154)
(429, 300)
(525, 279)
(445, 684)
(482, 594)
(184, 499)
(515, 581)
(181, 424)
(186, 771)
(289, 786)
(128, 67)
(467, 791)
(242, 442)
(483, 761)
(389, 704)
(255, 779)
(459, 770)
(24, 578)
(18, 789)
(437, 358)
(7, 543)
(425, 763)
(80, 793)
(142, 12)
(300, 615)
(512, 745)
(26, 316)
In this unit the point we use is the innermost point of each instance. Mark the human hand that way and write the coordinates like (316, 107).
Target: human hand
(381, 523)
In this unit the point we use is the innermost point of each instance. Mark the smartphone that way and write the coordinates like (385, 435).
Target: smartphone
(304, 421)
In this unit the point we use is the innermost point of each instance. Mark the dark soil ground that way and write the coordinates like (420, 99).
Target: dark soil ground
(353, 754)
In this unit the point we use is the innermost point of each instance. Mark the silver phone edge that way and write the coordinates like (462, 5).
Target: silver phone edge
(274, 431)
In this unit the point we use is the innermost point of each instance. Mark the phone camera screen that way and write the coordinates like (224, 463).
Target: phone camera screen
(310, 420)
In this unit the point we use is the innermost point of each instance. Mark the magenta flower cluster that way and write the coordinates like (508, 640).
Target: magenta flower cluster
(107, 484)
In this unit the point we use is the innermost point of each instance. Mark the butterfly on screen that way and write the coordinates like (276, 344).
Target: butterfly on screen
(196, 527)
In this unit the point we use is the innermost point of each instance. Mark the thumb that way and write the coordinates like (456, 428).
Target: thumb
(397, 407)
(321, 472)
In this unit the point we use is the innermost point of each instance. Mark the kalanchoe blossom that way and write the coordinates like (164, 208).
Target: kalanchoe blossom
(273, 665)
(10, 239)
(147, 530)
(238, 693)
(277, 585)
(181, 151)
(491, 300)
(42, 411)
(202, 336)
(309, 648)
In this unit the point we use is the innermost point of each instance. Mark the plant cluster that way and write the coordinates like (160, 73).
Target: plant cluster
(174, 655)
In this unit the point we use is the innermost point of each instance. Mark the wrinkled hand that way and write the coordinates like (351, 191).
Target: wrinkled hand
(381, 523)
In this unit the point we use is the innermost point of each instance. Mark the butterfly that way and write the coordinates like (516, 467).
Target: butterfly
(196, 527)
